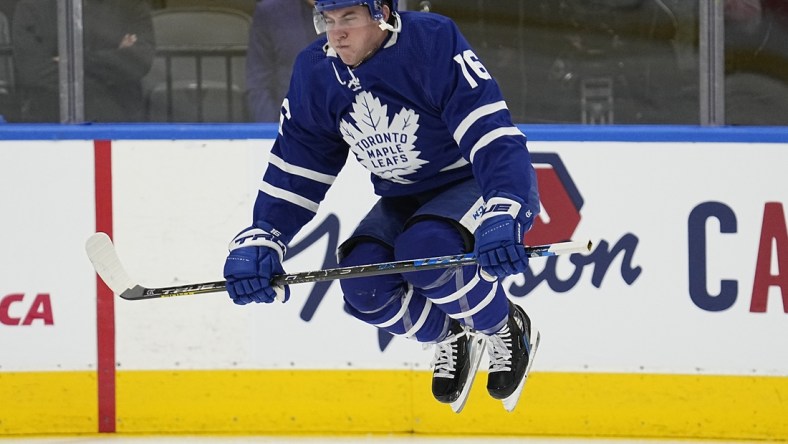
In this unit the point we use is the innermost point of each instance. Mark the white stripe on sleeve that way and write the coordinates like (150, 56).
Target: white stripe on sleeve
(477, 114)
(300, 171)
(289, 196)
(492, 135)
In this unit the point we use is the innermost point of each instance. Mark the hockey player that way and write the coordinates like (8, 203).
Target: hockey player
(405, 93)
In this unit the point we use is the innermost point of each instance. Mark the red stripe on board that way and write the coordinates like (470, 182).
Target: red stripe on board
(105, 304)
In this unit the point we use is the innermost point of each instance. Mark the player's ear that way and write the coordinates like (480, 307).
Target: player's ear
(386, 12)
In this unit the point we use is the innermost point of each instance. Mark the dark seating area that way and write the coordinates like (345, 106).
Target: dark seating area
(598, 62)
(198, 71)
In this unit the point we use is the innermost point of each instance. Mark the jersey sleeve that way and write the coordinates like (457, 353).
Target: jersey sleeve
(476, 114)
(304, 161)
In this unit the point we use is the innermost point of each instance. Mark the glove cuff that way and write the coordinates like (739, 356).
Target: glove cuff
(500, 203)
(499, 206)
(258, 237)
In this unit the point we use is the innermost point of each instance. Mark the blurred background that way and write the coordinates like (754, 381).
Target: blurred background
(557, 61)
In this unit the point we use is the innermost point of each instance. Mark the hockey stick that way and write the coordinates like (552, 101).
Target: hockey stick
(107, 264)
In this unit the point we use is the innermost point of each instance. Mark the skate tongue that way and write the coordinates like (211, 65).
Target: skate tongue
(444, 360)
(499, 351)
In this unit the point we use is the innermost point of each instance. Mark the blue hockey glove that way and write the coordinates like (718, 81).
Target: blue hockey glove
(499, 239)
(255, 257)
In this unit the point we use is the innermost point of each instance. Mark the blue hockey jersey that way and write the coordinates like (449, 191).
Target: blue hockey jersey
(420, 113)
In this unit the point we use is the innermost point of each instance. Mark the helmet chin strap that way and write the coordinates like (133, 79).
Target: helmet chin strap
(382, 24)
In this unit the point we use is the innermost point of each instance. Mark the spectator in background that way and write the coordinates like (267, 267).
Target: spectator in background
(118, 46)
(280, 29)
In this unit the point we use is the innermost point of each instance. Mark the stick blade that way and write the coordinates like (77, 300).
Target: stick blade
(105, 261)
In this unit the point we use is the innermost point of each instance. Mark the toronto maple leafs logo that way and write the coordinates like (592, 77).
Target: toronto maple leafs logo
(386, 148)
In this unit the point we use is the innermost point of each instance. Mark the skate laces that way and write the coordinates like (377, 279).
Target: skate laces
(500, 350)
(445, 359)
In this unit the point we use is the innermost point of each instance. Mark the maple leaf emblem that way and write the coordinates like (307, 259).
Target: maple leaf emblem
(386, 148)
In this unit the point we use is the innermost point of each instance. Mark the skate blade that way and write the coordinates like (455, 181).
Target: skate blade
(510, 402)
(477, 350)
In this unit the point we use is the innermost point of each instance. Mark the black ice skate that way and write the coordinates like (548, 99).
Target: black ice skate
(456, 360)
(511, 352)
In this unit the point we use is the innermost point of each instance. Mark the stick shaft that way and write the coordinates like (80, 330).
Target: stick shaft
(105, 260)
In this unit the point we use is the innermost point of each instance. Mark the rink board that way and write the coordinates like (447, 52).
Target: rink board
(398, 401)
(676, 324)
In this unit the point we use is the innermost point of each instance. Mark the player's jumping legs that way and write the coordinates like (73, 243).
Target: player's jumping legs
(480, 303)
(458, 292)
(395, 305)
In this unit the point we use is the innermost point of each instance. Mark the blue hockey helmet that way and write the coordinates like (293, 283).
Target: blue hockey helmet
(375, 6)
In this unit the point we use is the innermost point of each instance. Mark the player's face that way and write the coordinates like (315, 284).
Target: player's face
(353, 33)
